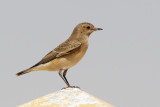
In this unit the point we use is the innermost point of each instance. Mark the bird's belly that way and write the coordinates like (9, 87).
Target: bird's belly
(67, 61)
(73, 59)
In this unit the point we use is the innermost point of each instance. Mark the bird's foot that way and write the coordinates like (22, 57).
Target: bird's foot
(74, 87)
(71, 87)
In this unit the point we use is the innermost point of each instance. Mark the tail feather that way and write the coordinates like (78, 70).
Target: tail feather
(23, 72)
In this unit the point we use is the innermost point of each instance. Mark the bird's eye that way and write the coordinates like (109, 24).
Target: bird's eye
(88, 27)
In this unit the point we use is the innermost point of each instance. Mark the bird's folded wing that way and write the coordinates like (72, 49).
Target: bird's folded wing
(67, 47)
(63, 49)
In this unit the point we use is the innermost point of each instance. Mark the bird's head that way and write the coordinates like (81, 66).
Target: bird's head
(86, 28)
(83, 30)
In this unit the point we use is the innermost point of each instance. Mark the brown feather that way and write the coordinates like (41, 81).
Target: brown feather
(63, 49)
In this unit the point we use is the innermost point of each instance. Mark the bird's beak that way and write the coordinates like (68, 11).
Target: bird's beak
(95, 29)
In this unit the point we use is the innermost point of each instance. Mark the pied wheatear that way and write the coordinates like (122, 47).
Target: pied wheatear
(67, 54)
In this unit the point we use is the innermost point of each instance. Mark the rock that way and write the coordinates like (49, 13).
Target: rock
(69, 97)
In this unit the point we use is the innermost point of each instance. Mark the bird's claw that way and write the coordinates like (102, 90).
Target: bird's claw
(71, 87)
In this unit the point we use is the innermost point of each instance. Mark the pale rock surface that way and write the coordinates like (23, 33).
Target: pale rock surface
(69, 97)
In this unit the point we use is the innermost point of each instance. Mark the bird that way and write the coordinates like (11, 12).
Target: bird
(67, 54)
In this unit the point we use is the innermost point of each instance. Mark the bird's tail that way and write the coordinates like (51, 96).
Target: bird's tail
(24, 72)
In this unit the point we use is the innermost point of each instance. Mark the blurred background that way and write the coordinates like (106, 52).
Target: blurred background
(121, 66)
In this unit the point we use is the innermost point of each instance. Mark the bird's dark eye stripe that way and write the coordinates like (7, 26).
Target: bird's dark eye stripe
(88, 27)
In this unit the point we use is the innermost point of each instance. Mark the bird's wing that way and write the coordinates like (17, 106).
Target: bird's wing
(67, 47)
(63, 49)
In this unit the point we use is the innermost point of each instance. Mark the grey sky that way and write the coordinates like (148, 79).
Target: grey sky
(122, 64)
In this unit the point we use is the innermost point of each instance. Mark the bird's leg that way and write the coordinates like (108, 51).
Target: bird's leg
(64, 76)
(60, 71)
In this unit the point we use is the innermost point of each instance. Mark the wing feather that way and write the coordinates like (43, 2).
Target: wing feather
(63, 49)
